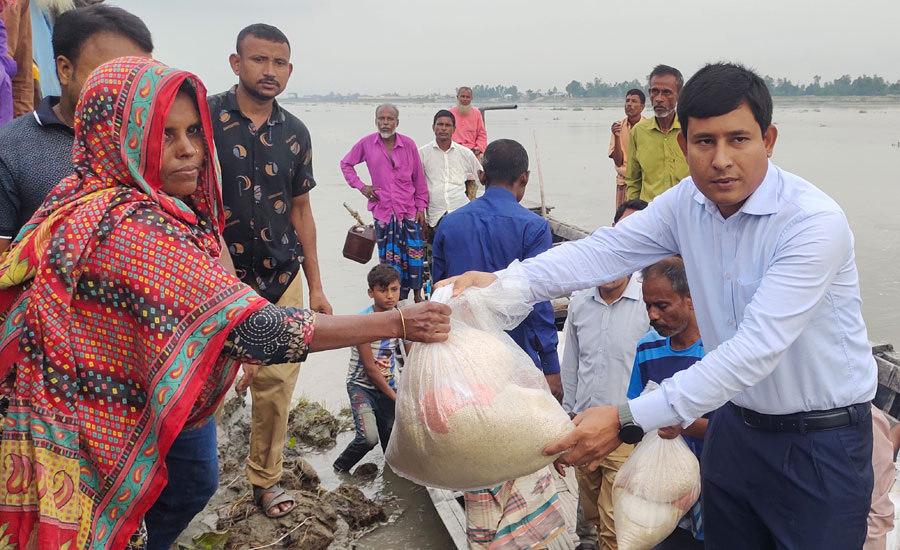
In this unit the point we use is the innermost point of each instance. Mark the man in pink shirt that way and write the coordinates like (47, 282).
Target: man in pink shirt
(397, 194)
(470, 131)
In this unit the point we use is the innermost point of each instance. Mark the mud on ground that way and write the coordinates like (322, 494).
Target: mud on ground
(321, 519)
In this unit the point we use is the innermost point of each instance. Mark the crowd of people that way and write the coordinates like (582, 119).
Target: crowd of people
(124, 316)
(138, 272)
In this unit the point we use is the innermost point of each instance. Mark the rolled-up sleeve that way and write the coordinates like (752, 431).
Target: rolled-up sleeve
(420, 198)
(348, 165)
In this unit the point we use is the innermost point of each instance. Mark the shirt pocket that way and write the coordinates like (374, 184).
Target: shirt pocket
(743, 293)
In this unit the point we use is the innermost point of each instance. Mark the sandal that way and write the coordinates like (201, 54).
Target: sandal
(271, 497)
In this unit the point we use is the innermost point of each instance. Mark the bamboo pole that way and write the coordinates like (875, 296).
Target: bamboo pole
(537, 154)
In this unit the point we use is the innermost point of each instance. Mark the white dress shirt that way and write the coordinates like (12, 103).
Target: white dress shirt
(775, 291)
(601, 340)
(446, 173)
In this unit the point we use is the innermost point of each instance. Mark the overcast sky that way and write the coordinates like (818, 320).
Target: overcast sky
(423, 46)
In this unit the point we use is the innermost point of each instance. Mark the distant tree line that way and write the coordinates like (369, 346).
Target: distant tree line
(495, 92)
(844, 86)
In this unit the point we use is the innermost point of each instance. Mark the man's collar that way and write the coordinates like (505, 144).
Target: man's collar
(500, 193)
(625, 121)
(231, 104)
(44, 114)
(762, 202)
(453, 145)
(632, 291)
(675, 124)
(376, 138)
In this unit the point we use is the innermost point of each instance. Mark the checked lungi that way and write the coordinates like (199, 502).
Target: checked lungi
(521, 514)
(400, 245)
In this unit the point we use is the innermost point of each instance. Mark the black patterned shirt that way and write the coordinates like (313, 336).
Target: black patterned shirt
(262, 171)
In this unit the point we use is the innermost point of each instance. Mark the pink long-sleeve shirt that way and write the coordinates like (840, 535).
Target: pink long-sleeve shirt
(470, 131)
(398, 179)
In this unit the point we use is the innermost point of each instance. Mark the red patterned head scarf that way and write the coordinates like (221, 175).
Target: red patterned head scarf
(113, 315)
(118, 153)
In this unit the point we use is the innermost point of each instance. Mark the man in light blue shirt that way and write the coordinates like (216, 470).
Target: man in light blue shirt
(770, 263)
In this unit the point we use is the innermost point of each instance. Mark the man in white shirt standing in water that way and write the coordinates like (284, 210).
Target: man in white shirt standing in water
(770, 262)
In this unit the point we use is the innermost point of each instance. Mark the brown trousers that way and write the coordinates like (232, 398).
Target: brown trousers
(271, 393)
(596, 494)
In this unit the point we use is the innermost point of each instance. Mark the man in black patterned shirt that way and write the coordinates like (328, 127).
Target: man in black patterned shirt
(265, 155)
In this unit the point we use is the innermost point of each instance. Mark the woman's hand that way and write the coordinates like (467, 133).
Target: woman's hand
(467, 279)
(426, 322)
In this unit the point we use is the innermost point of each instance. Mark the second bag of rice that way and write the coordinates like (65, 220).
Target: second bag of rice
(474, 411)
(655, 487)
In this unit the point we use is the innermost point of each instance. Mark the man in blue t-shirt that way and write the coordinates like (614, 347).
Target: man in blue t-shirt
(672, 345)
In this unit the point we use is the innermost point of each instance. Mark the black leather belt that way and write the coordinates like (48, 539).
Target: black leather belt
(813, 421)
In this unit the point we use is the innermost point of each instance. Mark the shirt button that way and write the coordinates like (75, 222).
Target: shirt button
(728, 275)
(730, 322)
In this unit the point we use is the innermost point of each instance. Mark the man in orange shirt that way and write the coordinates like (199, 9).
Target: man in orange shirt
(618, 142)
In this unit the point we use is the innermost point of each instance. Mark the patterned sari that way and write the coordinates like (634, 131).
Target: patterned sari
(113, 316)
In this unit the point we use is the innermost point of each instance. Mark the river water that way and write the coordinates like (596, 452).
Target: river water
(848, 148)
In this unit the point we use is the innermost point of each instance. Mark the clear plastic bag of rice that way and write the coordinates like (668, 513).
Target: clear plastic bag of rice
(655, 487)
(474, 411)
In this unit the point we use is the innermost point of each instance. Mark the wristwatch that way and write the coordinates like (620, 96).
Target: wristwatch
(629, 431)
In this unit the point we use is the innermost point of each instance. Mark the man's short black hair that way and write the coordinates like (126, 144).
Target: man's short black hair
(671, 268)
(444, 113)
(633, 204)
(720, 88)
(661, 70)
(640, 94)
(74, 27)
(382, 275)
(504, 161)
(261, 30)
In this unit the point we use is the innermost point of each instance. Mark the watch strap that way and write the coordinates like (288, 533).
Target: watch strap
(625, 415)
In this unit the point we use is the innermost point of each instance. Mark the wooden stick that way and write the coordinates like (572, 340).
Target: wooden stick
(537, 154)
(355, 214)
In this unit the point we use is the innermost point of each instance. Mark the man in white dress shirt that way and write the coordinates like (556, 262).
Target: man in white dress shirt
(603, 327)
(449, 169)
(769, 257)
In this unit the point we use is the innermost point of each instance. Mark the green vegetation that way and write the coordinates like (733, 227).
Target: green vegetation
(844, 86)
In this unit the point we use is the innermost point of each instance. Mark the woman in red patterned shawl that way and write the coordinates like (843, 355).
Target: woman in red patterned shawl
(118, 326)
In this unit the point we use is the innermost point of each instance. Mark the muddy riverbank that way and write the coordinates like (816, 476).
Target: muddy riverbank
(324, 517)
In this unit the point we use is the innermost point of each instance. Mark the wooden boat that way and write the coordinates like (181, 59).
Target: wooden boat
(450, 506)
